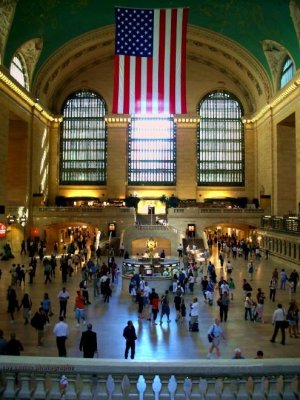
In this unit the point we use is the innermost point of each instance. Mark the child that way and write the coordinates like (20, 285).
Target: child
(231, 285)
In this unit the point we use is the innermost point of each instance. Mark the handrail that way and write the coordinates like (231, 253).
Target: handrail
(40, 377)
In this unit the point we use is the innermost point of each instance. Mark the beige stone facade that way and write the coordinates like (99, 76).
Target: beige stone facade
(29, 132)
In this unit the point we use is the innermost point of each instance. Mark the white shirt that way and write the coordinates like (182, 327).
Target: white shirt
(147, 291)
(63, 295)
(61, 329)
(195, 309)
(278, 315)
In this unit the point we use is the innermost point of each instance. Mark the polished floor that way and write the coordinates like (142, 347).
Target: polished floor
(161, 342)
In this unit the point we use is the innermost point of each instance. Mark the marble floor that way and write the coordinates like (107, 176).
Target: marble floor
(161, 342)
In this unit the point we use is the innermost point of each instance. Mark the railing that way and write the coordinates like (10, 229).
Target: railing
(156, 227)
(84, 209)
(41, 378)
(208, 210)
(152, 227)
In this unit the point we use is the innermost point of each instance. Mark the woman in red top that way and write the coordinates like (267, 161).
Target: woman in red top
(79, 308)
(155, 306)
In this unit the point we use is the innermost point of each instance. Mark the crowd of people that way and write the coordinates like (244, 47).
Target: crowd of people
(194, 284)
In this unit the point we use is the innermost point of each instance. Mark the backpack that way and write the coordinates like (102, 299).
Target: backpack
(33, 321)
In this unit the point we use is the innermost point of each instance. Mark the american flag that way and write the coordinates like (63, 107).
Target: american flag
(149, 70)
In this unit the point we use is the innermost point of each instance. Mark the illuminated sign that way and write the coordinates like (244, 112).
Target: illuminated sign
(2, 230)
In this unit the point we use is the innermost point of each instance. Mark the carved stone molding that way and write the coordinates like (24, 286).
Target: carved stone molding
(7, 12)
(227, 51)
(295, 15)
(31, 51)
(71, 55)
(241, 85)
(275, 54)
(204, 46)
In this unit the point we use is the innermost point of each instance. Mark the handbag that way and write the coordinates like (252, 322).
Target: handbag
(210, 336)
(285, 324)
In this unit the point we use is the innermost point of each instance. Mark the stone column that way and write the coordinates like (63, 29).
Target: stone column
(186, 185)
(117, 162)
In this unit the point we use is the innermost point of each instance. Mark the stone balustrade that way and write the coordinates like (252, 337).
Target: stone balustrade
(41, 378)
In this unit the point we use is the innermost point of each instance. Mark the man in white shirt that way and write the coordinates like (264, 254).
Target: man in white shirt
(61, 331)
(63, 297)
(194, 315)
(279, 320)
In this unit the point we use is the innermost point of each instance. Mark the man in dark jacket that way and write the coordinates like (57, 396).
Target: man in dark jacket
(38, 321)
(130, 337)
(88, 342)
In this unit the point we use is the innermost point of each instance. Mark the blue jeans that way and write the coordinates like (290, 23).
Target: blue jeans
(248, 311)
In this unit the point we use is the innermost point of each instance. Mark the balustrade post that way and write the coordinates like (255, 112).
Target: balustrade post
(229, 390)
(24, 386)
(52, 387)
(125, 387)
(10, 387)
(70, 392)
(100, 391)
(187, 388)
(83, 386)
(242, 393)
(291, 388)
(211, 390)
(39, 389)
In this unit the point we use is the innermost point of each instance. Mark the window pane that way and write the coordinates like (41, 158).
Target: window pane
(152, 151)
(83, 140)
(220, 139)
(288, 71)
(17, 70)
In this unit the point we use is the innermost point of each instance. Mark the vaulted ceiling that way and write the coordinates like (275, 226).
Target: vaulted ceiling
(242, 41)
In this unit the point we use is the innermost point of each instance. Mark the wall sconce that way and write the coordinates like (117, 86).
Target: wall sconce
(10, 219)
(23, 220)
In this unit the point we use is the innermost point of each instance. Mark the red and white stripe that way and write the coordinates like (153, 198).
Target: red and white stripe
(157, 84)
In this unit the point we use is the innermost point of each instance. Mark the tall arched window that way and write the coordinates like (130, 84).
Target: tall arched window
(220, 141)
(83, 140)
(152, 151)
(18, 70)
(287, 72)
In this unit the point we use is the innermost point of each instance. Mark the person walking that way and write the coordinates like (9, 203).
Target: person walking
(12, 302)
(63, 297)
(26, 303)
(130, 337)
(272, 287)
(223, 303)
(180, 250)
(250, 270)
(61, 331)
(46, 304)
(248, 304)
(88, 342)
(215, 333)
(194, 313)
(279, 320)
(154, 301)
(79, 308)
(38, 321)
(165, 307)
